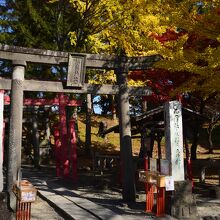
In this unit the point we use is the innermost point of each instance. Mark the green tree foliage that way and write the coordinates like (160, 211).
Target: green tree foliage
(37, 23)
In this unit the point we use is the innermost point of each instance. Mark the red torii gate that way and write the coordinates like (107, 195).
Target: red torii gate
(66, 158)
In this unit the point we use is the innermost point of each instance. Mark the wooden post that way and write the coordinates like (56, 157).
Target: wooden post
(57, 144)
(1, 139)
(64, 142)
(160, 209)
(149, 197)
(149, 190)
(15, 131)
(73, 153)
(128, 180)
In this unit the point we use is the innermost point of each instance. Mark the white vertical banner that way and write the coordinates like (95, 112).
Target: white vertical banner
(174, 139)
(1, 138)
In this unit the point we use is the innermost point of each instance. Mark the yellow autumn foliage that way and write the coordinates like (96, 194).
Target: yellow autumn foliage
(127, 27)
(117, 27)
(200, 19)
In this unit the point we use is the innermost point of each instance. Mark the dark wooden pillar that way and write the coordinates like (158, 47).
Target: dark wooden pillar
(128, 181)
(15, 131)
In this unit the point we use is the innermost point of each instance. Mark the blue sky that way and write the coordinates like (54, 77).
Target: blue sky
(2, 2)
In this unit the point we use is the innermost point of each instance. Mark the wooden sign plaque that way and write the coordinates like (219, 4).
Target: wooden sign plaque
(165, 167)
(76, 70)
(153, 165)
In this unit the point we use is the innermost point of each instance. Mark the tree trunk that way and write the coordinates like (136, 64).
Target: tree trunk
(144, 106)
(143, 148)
(48, 132)
(209, 130)
(88, 123)
(196, 132)
(152, 138)
(35, 138)
(187, 148)
(113, 107)
(194, 143)
(193, 151)
(210, 139)
(159, 149)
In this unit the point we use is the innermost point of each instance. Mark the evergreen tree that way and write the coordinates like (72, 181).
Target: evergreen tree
(38, 24)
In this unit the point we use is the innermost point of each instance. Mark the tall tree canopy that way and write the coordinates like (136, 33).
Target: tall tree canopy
(184, 32)
(118, 27)
(36, 23)
(196, 51)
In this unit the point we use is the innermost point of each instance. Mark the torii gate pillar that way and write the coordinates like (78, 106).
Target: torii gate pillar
(127, 169)
(1, 139)
(15, 131)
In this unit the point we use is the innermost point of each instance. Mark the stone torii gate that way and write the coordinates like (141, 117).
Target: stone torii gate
(77, 63)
